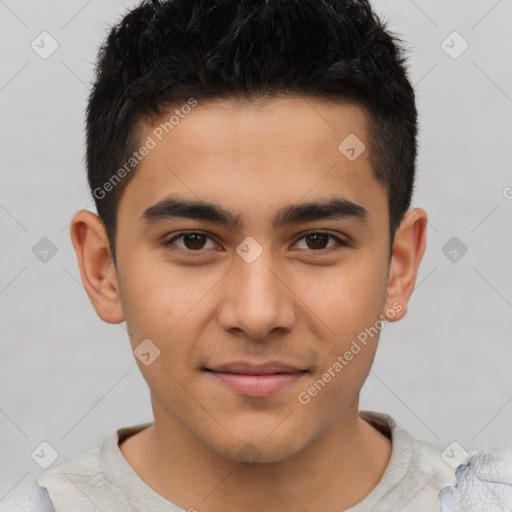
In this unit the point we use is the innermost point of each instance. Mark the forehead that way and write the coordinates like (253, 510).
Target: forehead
(256, 154)
(259, 126)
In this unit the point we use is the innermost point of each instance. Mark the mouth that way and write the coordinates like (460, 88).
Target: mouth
(256, 380)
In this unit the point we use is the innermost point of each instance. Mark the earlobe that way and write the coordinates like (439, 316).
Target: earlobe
(96, 266)
(408, 249)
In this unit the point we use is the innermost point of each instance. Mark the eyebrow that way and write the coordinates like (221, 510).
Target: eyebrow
(328, 208)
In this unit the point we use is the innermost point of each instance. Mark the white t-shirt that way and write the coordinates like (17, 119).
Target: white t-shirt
(102, 479)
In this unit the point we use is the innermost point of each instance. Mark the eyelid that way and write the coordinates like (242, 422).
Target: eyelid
(179, 234)
(340, 241)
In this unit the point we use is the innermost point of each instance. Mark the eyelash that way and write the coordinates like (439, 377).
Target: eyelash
(200, 252)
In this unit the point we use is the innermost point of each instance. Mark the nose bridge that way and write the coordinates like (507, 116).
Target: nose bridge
(258, 279)
(257, 302)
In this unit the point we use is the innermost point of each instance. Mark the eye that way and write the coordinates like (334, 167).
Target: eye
(318, 239)
(196, 242)
(193, 241)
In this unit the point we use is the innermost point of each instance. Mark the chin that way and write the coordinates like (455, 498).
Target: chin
(259, 450)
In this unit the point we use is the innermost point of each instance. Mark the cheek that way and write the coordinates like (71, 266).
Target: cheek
(155, 295)
(350, 297)
(351, 303)
(333, 391)
(346, 359)
(167, 306)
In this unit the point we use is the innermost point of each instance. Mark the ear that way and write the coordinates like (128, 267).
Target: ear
(96, 266)
(408, 249)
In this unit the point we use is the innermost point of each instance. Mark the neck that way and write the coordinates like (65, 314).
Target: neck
(335, 472)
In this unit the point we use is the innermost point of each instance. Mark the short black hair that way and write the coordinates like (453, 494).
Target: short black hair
(165, 53)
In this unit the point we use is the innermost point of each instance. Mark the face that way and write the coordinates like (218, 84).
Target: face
(262, 300)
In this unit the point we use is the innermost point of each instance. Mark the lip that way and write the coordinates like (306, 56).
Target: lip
(268, 368)
(256, 380)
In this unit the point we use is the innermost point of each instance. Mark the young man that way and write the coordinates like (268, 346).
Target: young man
(252, 165)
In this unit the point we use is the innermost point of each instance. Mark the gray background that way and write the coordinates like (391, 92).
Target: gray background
(443, 372)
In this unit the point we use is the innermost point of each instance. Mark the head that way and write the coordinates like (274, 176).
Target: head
(282, 136)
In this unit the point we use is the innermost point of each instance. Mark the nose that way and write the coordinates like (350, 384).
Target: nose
(256, 300)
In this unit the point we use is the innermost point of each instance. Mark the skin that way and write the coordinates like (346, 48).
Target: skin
(209, 447)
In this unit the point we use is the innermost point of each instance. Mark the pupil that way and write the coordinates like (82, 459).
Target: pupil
(194, 245)
(323, 237)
